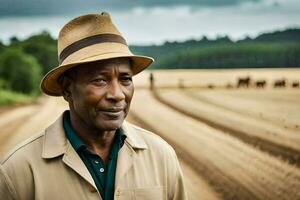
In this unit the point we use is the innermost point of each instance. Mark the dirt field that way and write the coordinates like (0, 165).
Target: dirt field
(232, 143)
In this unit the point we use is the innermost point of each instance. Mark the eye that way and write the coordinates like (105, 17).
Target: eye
(99, 81)
(126, 80)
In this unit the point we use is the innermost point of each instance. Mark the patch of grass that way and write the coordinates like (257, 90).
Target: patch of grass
(9, 97)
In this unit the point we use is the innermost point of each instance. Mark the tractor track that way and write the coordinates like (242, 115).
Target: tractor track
(258, 116)
(286, 153)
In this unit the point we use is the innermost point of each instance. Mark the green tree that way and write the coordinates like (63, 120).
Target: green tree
(43, 48)
(2, 46)
(19, 71)
(14, 40)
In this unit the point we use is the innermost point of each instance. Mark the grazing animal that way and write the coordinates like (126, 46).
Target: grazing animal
(229, 86)
(244, 82)
(210, 86)
(261, 83)
(279, 83)
(295, 84)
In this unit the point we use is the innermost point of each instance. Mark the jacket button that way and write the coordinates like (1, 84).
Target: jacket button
(118, 192)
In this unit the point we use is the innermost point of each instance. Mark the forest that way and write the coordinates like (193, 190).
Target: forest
(268, 50)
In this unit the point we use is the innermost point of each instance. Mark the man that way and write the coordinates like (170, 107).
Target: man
(90, 152)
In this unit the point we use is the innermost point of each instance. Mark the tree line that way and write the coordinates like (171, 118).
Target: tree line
(269, 50)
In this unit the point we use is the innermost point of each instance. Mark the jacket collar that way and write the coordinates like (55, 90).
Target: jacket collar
(55, 142)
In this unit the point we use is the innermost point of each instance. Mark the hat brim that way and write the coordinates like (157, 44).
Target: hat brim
(50, 85)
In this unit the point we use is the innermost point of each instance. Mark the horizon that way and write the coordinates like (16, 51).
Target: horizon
(184, 40)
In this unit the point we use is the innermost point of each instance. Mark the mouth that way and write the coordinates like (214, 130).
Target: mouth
(110, 109)
(111, 112)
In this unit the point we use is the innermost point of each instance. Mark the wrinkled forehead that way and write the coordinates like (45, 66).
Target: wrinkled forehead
(121, 65)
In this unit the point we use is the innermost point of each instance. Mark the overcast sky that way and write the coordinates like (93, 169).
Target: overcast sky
(154, 21)
(42, 7)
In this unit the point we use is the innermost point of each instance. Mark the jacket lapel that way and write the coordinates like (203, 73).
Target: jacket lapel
(56, 144)
(72, 159)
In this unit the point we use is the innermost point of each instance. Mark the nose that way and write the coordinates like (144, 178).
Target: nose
(115, 91)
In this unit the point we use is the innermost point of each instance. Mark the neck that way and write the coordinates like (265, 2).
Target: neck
(98, 141)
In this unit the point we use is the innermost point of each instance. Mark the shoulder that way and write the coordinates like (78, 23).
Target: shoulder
(24, 150)
(151, 140)
(17, 165)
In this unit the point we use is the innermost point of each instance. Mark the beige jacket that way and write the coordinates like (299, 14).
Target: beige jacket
(47, 167)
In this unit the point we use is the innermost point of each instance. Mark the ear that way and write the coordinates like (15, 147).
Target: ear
(66, 84)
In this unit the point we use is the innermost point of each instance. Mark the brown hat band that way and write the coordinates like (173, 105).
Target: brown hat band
(95, 39)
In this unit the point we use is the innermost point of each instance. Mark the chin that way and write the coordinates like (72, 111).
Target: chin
(110, 125)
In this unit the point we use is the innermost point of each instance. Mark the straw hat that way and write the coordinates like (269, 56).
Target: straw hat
(89, 38)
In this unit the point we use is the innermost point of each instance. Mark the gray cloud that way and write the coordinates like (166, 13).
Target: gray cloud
(65, 7)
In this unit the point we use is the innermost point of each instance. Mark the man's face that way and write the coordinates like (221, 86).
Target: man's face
(100, 94)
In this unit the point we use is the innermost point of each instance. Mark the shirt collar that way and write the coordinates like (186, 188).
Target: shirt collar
(55, 142)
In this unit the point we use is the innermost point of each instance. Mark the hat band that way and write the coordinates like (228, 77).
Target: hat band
(95, 39)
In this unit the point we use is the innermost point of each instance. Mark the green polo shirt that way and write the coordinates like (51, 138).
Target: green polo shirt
(102, 174)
